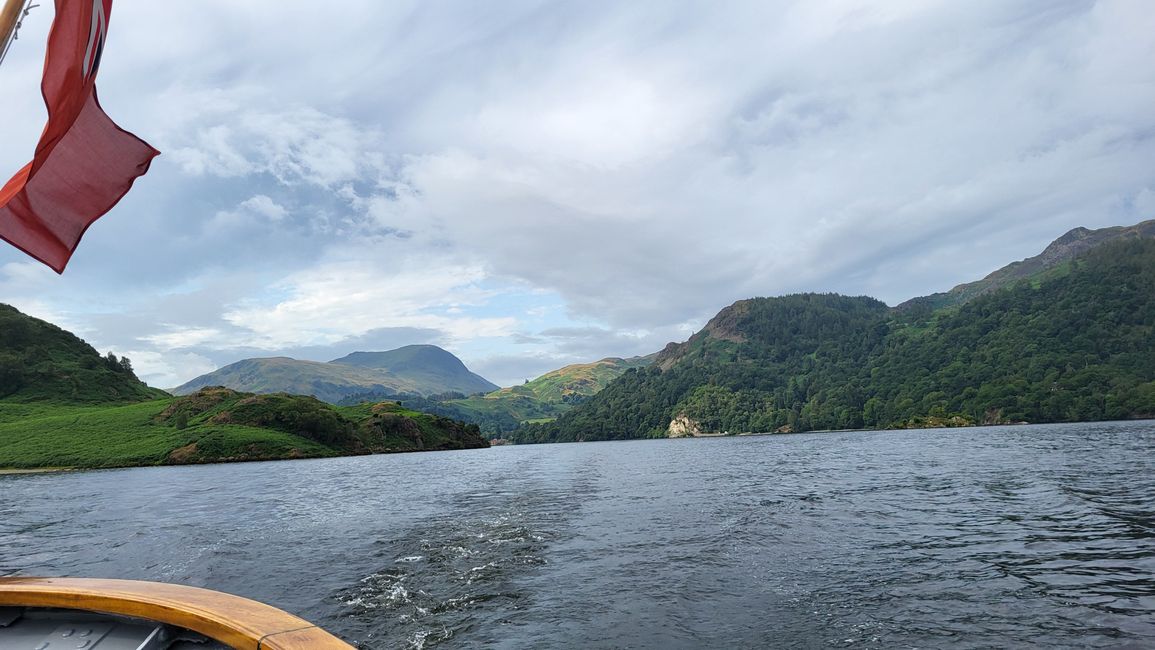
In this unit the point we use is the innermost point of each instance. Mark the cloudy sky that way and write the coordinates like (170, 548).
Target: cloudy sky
(530, 183)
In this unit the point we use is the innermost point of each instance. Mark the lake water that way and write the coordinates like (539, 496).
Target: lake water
(1033, 536)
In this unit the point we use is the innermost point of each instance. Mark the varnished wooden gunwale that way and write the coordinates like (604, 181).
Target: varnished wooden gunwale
(238, 622)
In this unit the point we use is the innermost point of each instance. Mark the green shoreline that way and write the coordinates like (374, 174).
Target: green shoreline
(215, 425)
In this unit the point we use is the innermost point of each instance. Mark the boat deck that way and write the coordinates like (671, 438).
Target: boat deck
(24, 628)
(88, 614)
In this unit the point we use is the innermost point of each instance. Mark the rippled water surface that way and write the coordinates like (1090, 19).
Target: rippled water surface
(1038, 536)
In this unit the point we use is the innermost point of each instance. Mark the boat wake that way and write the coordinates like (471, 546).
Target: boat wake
(454, 574)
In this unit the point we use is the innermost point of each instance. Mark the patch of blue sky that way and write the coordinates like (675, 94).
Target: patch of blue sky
(534, 309)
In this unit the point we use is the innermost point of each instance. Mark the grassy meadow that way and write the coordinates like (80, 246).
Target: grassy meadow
(35, 435)
(213, 425)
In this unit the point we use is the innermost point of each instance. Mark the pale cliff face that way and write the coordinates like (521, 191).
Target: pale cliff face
(683, 427)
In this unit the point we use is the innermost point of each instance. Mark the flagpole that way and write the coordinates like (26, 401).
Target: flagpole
(9, 17)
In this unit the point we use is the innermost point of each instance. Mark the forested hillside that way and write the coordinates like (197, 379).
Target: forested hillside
(1074, 342)
(40, 361)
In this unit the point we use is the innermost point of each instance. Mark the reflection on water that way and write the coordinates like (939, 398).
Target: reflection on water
(1038, 536)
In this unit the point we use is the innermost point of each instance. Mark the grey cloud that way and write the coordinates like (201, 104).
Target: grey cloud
(891, 143)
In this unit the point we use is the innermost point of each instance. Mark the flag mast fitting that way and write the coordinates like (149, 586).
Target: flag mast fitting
(11, 17)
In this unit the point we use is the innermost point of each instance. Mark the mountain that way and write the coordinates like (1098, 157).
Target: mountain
(1059, 253)
(1071, 340)
(42, 362)
(541, 399)
(411, 370)
(427, 367)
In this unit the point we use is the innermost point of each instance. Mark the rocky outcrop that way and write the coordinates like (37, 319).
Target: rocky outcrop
(683, 427)
(725, 326)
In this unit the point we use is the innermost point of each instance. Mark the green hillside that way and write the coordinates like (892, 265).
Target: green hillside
(324, 381)
(411, 370)
(1055, 257)
(40, 361)
(62, 404)
(428, 368)
(541, 399)
(215, 425)
(1074, 341)
(1075, 346)
(572, 383)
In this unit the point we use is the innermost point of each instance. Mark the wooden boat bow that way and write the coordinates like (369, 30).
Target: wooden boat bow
(235, 621)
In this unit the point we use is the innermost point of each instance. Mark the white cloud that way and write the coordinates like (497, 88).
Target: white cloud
(344, 299)
(27, 275)
(259, 210)
(266, 207)
(214, 152)
(166, 369)
(178, 337)
(231, 139)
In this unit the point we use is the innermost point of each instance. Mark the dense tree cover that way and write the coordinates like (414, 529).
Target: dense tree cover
(1075, 346)
(752, 365)
(1074, 343)
(40, 361)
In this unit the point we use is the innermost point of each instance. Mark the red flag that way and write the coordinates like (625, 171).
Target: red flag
(84, 162)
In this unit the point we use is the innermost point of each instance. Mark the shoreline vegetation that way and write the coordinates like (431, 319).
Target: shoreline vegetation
(215, 425)
(500, 442)
(925, 427)
(10, 471)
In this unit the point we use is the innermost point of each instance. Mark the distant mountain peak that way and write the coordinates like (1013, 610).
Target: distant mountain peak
(1072, 244)
(405, 356)
(412, 369)
(1074, 234)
